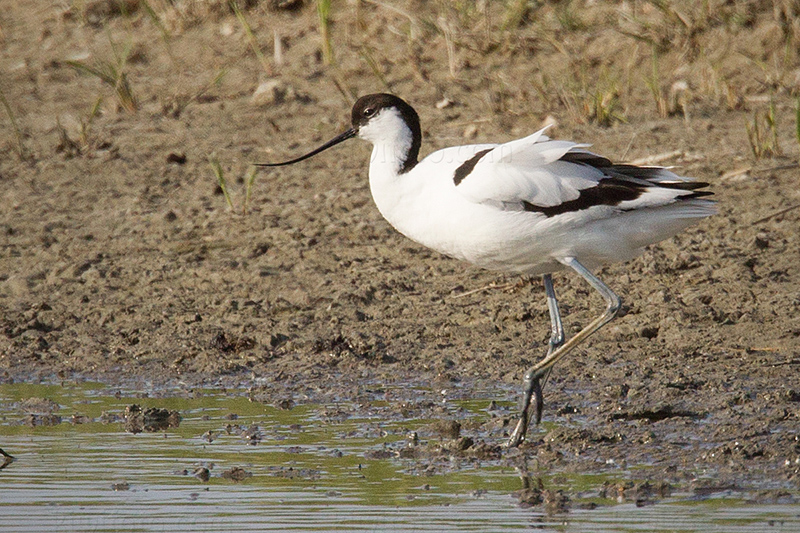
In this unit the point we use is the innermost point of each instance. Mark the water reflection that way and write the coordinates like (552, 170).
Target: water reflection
(216, 461)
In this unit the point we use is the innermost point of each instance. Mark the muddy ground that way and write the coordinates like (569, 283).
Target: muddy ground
(121, 260)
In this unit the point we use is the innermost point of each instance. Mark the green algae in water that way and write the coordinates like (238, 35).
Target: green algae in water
(310, 467)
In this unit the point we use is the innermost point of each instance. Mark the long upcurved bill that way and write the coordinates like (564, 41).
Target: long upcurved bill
(333, 142)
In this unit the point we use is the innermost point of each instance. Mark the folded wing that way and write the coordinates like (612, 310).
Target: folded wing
(553, 177)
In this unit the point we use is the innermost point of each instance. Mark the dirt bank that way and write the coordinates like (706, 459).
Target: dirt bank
(122, 260)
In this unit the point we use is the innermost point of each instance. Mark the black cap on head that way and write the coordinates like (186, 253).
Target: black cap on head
(370, 105)
(364, 109)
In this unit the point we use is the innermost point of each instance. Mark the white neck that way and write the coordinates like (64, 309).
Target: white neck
(392, 140)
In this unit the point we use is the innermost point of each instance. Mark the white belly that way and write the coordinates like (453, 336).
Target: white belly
(437, 217)
(427, 208)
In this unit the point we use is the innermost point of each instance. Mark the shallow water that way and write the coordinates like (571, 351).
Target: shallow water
(309, 468)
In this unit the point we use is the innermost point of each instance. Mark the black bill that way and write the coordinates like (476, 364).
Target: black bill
(333, 142)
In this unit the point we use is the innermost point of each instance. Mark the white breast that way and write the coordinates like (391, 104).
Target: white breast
(483, 219)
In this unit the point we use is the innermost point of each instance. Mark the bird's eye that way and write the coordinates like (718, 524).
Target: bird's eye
(369, 111)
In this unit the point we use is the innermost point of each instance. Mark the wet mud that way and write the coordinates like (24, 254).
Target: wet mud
(122, 262)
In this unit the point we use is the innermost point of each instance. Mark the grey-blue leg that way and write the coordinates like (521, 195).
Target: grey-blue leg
(532, 387)
(556, 339)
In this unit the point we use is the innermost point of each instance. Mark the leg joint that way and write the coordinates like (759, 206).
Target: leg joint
(614, 305)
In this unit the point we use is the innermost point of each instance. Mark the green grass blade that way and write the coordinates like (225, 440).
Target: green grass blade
(22, 150)
(251, 37)
(324, 12)
(250, 179)
(104, 76)
(220, 175)
(797, 120)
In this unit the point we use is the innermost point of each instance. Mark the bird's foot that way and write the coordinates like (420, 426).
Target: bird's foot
(518, 435)
(535, 398)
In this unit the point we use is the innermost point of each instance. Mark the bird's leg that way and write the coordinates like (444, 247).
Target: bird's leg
(540, 370)
(556, 340)
(532, 387)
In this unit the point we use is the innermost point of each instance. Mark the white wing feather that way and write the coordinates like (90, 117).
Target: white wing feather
(530, 170)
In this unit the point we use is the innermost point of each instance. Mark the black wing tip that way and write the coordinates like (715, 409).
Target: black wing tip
(683, 185)
(695, 194)
(587, 158)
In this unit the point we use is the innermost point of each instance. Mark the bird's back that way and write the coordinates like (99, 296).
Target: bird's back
(521, 205)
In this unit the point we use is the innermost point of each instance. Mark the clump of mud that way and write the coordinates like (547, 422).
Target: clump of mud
(150, 419)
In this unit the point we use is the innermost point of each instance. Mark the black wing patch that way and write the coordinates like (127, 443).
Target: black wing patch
(622, 184)
(632, 171)
(467, 166)
(609, 191)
